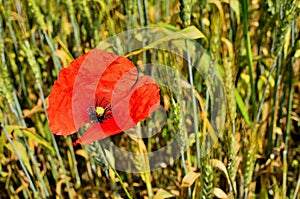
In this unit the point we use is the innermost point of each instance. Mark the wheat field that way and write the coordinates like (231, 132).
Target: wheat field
(252, 48)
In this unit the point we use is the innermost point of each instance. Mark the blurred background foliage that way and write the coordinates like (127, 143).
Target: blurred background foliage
(256, 45)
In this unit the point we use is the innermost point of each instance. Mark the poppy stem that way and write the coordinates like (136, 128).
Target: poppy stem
(116, 173)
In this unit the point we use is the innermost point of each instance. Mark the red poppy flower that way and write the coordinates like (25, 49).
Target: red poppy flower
(100, 88)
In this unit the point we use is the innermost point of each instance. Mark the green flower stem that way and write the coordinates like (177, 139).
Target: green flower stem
(75, 169)
(116, 173)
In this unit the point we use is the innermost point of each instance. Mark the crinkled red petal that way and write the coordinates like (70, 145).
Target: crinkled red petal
(130, 103)
(97, 77)
(135, 105)
(60, 111)
(98, 131)
(122, 72)
(144, 100)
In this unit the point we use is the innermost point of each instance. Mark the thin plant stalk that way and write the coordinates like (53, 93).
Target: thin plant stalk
(288, 131)
(55, 145)
(116, 173)
(37, 73)
(195, 118)
(185, 14)
(249, 53)
(21, 162)
(14, 105)
(167, 11)
(287, 11)
(62, 165)
(296, 192)
(146, 15)
(261, 103)
(274, 106)
(71, 11)
(141, 15)
(288, 122)
(71, 148)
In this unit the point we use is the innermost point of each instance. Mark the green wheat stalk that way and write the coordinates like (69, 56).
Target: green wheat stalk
(37, 73)
(287, 11)
(34, 10)
(7, 89)
(245, 19)
(85, 12)
(185, 15)
(71, 13)
(288, 119)
(287, 14)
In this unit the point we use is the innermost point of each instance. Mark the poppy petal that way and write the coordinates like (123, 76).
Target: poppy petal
(98, 75)
(59, 111)
(142, 100)
(98, 131)
(121, 72)
(67, 110)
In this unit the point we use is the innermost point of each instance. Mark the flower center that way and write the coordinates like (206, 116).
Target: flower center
(101, 111)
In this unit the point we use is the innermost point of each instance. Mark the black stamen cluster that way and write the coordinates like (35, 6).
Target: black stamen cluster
(100, 117)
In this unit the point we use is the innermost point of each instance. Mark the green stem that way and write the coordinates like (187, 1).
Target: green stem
(288, 122)
(55, 145)
(116, 173)
(195, 118)
(288, 130)
(75, 170)
(265, 91)
(20, 160)
(249, 53)
(275, 97)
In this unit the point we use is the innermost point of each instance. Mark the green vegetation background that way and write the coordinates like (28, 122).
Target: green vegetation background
(257, 46)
